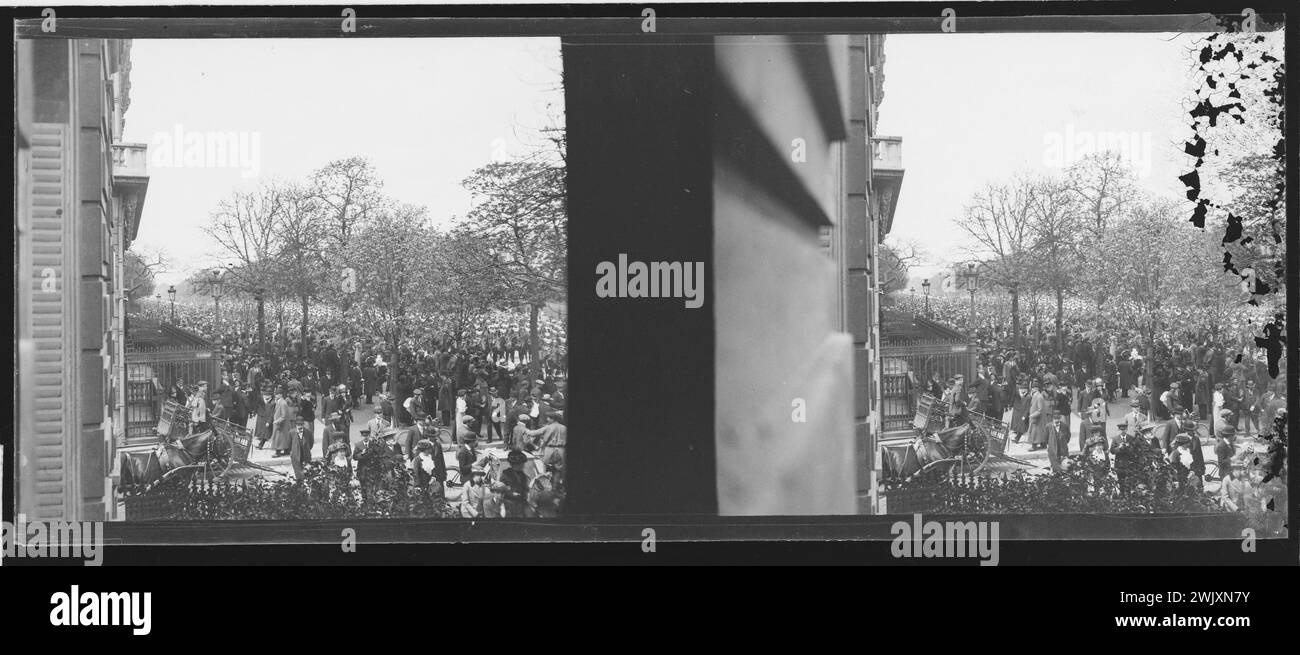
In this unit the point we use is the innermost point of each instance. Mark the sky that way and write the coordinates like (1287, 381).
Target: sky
(426, 112)
(980, 108)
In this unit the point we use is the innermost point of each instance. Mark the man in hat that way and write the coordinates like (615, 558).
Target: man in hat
(1092, 422)
(299, 445)
(414, 407)
(519, 436)
(515, 494)
(236, 407)
(1020, 409)
(936, 386)
(1058, 439)
(498, 415)
(376, 458)
(475, 405)
(521, 406)
(1225, 439)
(1059, 402)
(1251, 401)
(339, 409)
(467, 456)
(1134, 417)
(1010, 367)
(1037, 417)
(370, 380)
(200, 406)
(446, 397)
(378, 422)
(263, 407)
(551, 441)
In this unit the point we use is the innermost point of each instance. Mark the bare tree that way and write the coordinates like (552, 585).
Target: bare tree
(998, 222)
(897, 256)
(244, 228)
(302, 270)
(141, 267)
(1056, 259)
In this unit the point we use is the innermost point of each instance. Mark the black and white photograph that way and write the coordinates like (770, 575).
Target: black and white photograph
(1030, 274)
(863, 283)
(291, 279)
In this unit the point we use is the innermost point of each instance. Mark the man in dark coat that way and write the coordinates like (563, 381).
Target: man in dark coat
(177, 393)
(355, 383)
(1020, 409)
(263, 406)
(307, 414)
(1125, 367)
(1084, 358)
(515, 494)
(338, 410)
(234, 407)
(370, 381)
(446, 399)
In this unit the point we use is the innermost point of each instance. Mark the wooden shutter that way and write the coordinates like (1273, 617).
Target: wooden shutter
(51, 261)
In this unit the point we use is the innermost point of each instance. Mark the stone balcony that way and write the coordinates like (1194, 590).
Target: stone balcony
(886, 178)
(130, 183)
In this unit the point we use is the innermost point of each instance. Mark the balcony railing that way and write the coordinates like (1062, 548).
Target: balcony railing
(130, 160)
(887, 153)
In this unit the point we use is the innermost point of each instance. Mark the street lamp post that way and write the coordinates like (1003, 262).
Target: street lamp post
(926, 286)
(217, 283)
(972, 281)
(261, 320)
(171, 295)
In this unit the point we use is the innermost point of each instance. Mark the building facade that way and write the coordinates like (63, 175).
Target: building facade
(79, 197)
(804, 193)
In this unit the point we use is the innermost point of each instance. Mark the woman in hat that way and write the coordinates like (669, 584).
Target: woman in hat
(1092, 422)
(1184, 461)
(430, 469)
(285, 422)
(474, 494)
(1038, 405)
(339, 454)
(515, 494)
(1236, 488)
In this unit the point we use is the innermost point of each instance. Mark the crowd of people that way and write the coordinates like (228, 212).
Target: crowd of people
(1200, 386)
(482, 387)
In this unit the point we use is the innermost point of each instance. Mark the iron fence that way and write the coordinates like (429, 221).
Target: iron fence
(906, 373)
(149, 377)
